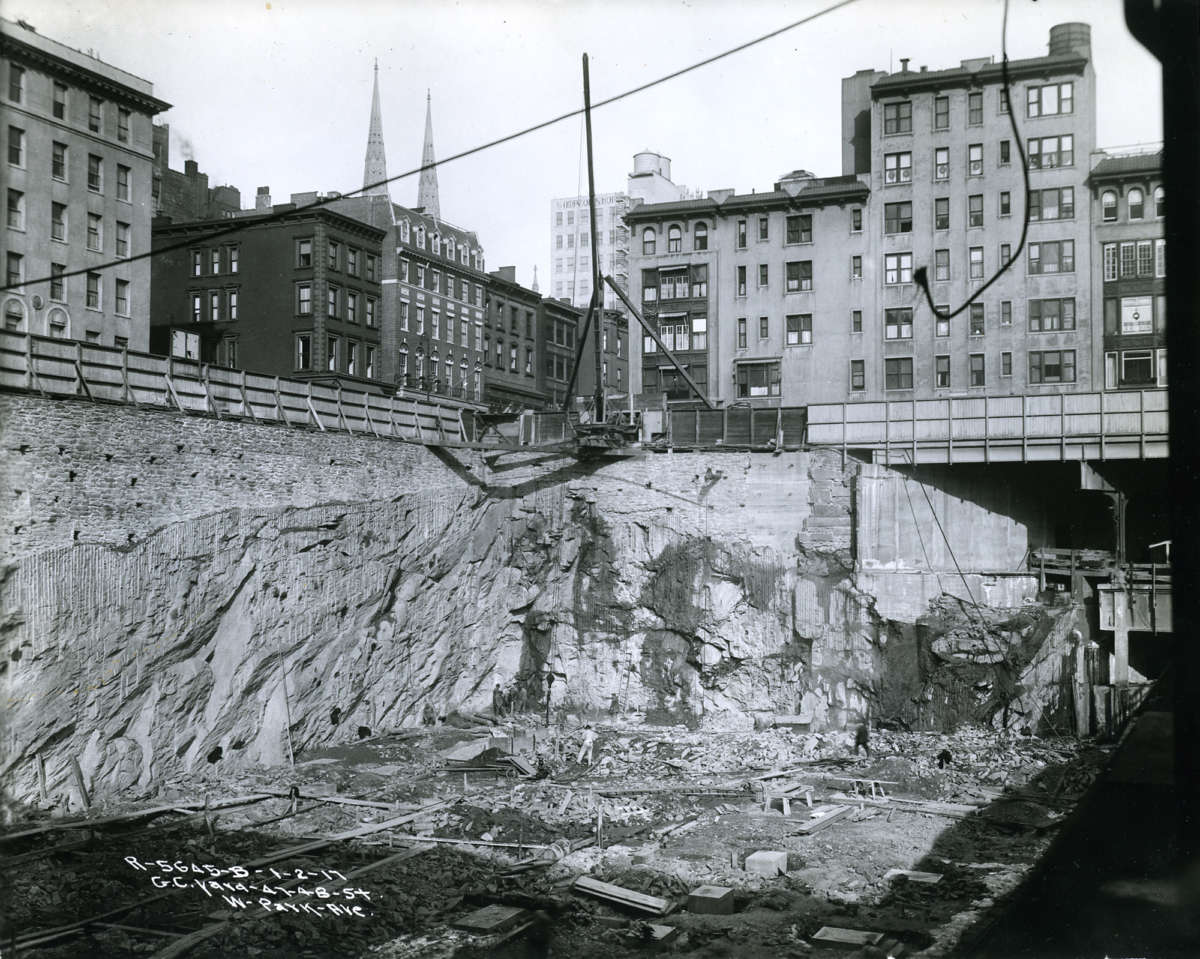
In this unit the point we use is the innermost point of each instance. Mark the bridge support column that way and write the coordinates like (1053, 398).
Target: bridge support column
(1120, 664)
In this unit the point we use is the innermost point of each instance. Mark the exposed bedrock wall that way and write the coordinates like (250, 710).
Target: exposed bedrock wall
(163, 573)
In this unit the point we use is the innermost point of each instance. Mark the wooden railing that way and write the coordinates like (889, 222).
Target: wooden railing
(54, 367)
(983, 429)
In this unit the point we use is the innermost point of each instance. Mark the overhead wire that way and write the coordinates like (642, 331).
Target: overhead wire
(921, 274)
(507, 138)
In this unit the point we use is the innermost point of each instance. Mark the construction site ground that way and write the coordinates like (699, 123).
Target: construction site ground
(385, 845)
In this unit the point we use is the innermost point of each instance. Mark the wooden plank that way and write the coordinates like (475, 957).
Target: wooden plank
(624, 897)
(490, 919)
(823, 816)
(929, 878)
(846, 937)
(339, 800)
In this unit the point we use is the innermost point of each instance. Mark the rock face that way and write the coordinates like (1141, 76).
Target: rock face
(696, 589)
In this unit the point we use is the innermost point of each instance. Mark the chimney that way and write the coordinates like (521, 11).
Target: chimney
(924, 68)
(190, 167)
(904, 64)
(262, 202)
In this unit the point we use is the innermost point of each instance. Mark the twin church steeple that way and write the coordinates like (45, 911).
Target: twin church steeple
(375, 164)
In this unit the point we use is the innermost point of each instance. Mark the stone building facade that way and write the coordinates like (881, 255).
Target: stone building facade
(77, 174)
(1128, 202)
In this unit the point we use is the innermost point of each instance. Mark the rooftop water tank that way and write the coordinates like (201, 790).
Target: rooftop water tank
(1068, 38)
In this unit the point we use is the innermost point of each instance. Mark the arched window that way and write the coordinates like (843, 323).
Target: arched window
(1137, 204)
(404, 230)
(421, 237)
(700, 237)
(1160, 202)
(449, 370)
(14, 315)
(402, 364)
(648, 241)
(1108, 206)
(58, 325)
(450, 247)
(674, 239)
(437, 243)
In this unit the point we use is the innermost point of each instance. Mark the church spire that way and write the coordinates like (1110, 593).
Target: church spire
(427, 190)
(375, 165)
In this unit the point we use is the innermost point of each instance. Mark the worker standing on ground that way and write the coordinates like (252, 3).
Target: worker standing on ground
(862, 737)
(497, 701)
(588, 744)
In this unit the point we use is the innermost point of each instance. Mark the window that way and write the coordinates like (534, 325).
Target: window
(421, 275)
(1005, 150)
(1046, 153)
(351, 307)
(1006, 312)
(1006, 363)
(122, 239)
(57, 284)
(94, 105)
(95, 174)
(941, 213)
(303, 299)
(1160, 202)
(858, 375)
(941, 325)
(941, 113)
(975, 209)
(1108, 206)
(763, 275)
(16, 146)
(975, 108)
(122, 124)
(1057, 256)
(941, 163)
(757, 379)
(232, 301)
(941, 372)
(763, 228)
(15, 269)
(799, 276)
(897, 324)
(93, 291)
(435, 323)
(799, 228)
(764, 328)
(1052, 366)
(897, 268)
(1129, 259)
(897, 373)
(975, 159)
(1047, 316)
(856, 220)
(1005, 203)
(215, 257)
(352, 261)
(1137, 368)
(897, 117)
(95, 229)
(1005, 253)
(977, 320)
(16, 83)
(648, 241)
(741, 333)
(512, 358)
(352, 358)
(1051, 100)
(741, 281)
(60, 100)
(1137, 203)
(700, 237)
(856, 268)
(369, 309)
(975, 255)
(1056, 204)
(197, 300)
(700, 280)
(372, 268)
(978, 373)
(941, 265)
(333, 302)
(856, 321)
(331, 353)
(799, 329)
(1160, 258)
(16, 210)
(897, 217)
(897, 168)
(1110, 261)
(437, 281)
(741, 234)
(233, 258)
(214, 306)
(58, 161)
(334, 254)
(303, 253)
(122, 297)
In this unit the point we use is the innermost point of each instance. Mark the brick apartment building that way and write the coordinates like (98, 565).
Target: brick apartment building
(1129, 277)
(558, 330)
(298, 296)
(513, 344)
(78, 148)
(807, 293)
(186, 195)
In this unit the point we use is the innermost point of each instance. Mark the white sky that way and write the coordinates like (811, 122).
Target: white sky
(279, 93)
